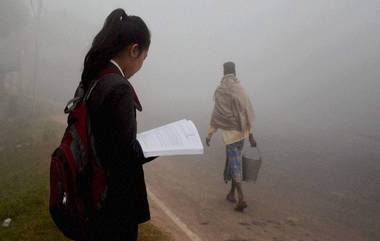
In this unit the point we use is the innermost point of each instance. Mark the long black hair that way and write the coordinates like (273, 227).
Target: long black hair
(119, 31)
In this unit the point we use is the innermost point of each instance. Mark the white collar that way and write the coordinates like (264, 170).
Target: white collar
(121, 71)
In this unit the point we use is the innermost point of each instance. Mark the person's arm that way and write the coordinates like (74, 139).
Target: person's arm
(122, 114)
(252, 140)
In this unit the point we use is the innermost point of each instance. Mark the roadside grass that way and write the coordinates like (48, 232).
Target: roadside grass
(25, 149)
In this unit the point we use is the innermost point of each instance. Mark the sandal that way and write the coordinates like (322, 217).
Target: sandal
(241, 206)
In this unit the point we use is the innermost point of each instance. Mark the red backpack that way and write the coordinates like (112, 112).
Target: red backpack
(77, 180)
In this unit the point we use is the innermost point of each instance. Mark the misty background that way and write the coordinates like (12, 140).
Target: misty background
(311, 68)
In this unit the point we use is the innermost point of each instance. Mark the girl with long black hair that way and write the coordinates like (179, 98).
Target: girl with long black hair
(117, 53)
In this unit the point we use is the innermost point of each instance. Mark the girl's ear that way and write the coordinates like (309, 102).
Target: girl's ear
(134, 50)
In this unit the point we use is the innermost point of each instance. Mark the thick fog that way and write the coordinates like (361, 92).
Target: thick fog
(311, 68)
(313, 65)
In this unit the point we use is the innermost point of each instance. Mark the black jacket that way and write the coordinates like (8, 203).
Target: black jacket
(112, 111)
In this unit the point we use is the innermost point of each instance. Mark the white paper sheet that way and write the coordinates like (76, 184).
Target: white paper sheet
(177, 138)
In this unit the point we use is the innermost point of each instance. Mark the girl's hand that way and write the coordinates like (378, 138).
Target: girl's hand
(252, 141)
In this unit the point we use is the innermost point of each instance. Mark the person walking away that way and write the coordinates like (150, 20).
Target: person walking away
(233, 114)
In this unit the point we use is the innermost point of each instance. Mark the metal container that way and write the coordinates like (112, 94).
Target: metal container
(251, 164)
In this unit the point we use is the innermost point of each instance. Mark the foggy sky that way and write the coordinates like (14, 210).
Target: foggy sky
(306, 64)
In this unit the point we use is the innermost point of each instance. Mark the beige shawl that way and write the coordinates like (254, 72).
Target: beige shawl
(233, 109)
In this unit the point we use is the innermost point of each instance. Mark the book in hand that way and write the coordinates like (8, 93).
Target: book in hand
(177, 138)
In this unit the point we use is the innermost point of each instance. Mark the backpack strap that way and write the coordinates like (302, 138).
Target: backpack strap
(80, 93)
(70, 106)
(79, 96)
(87, 96)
